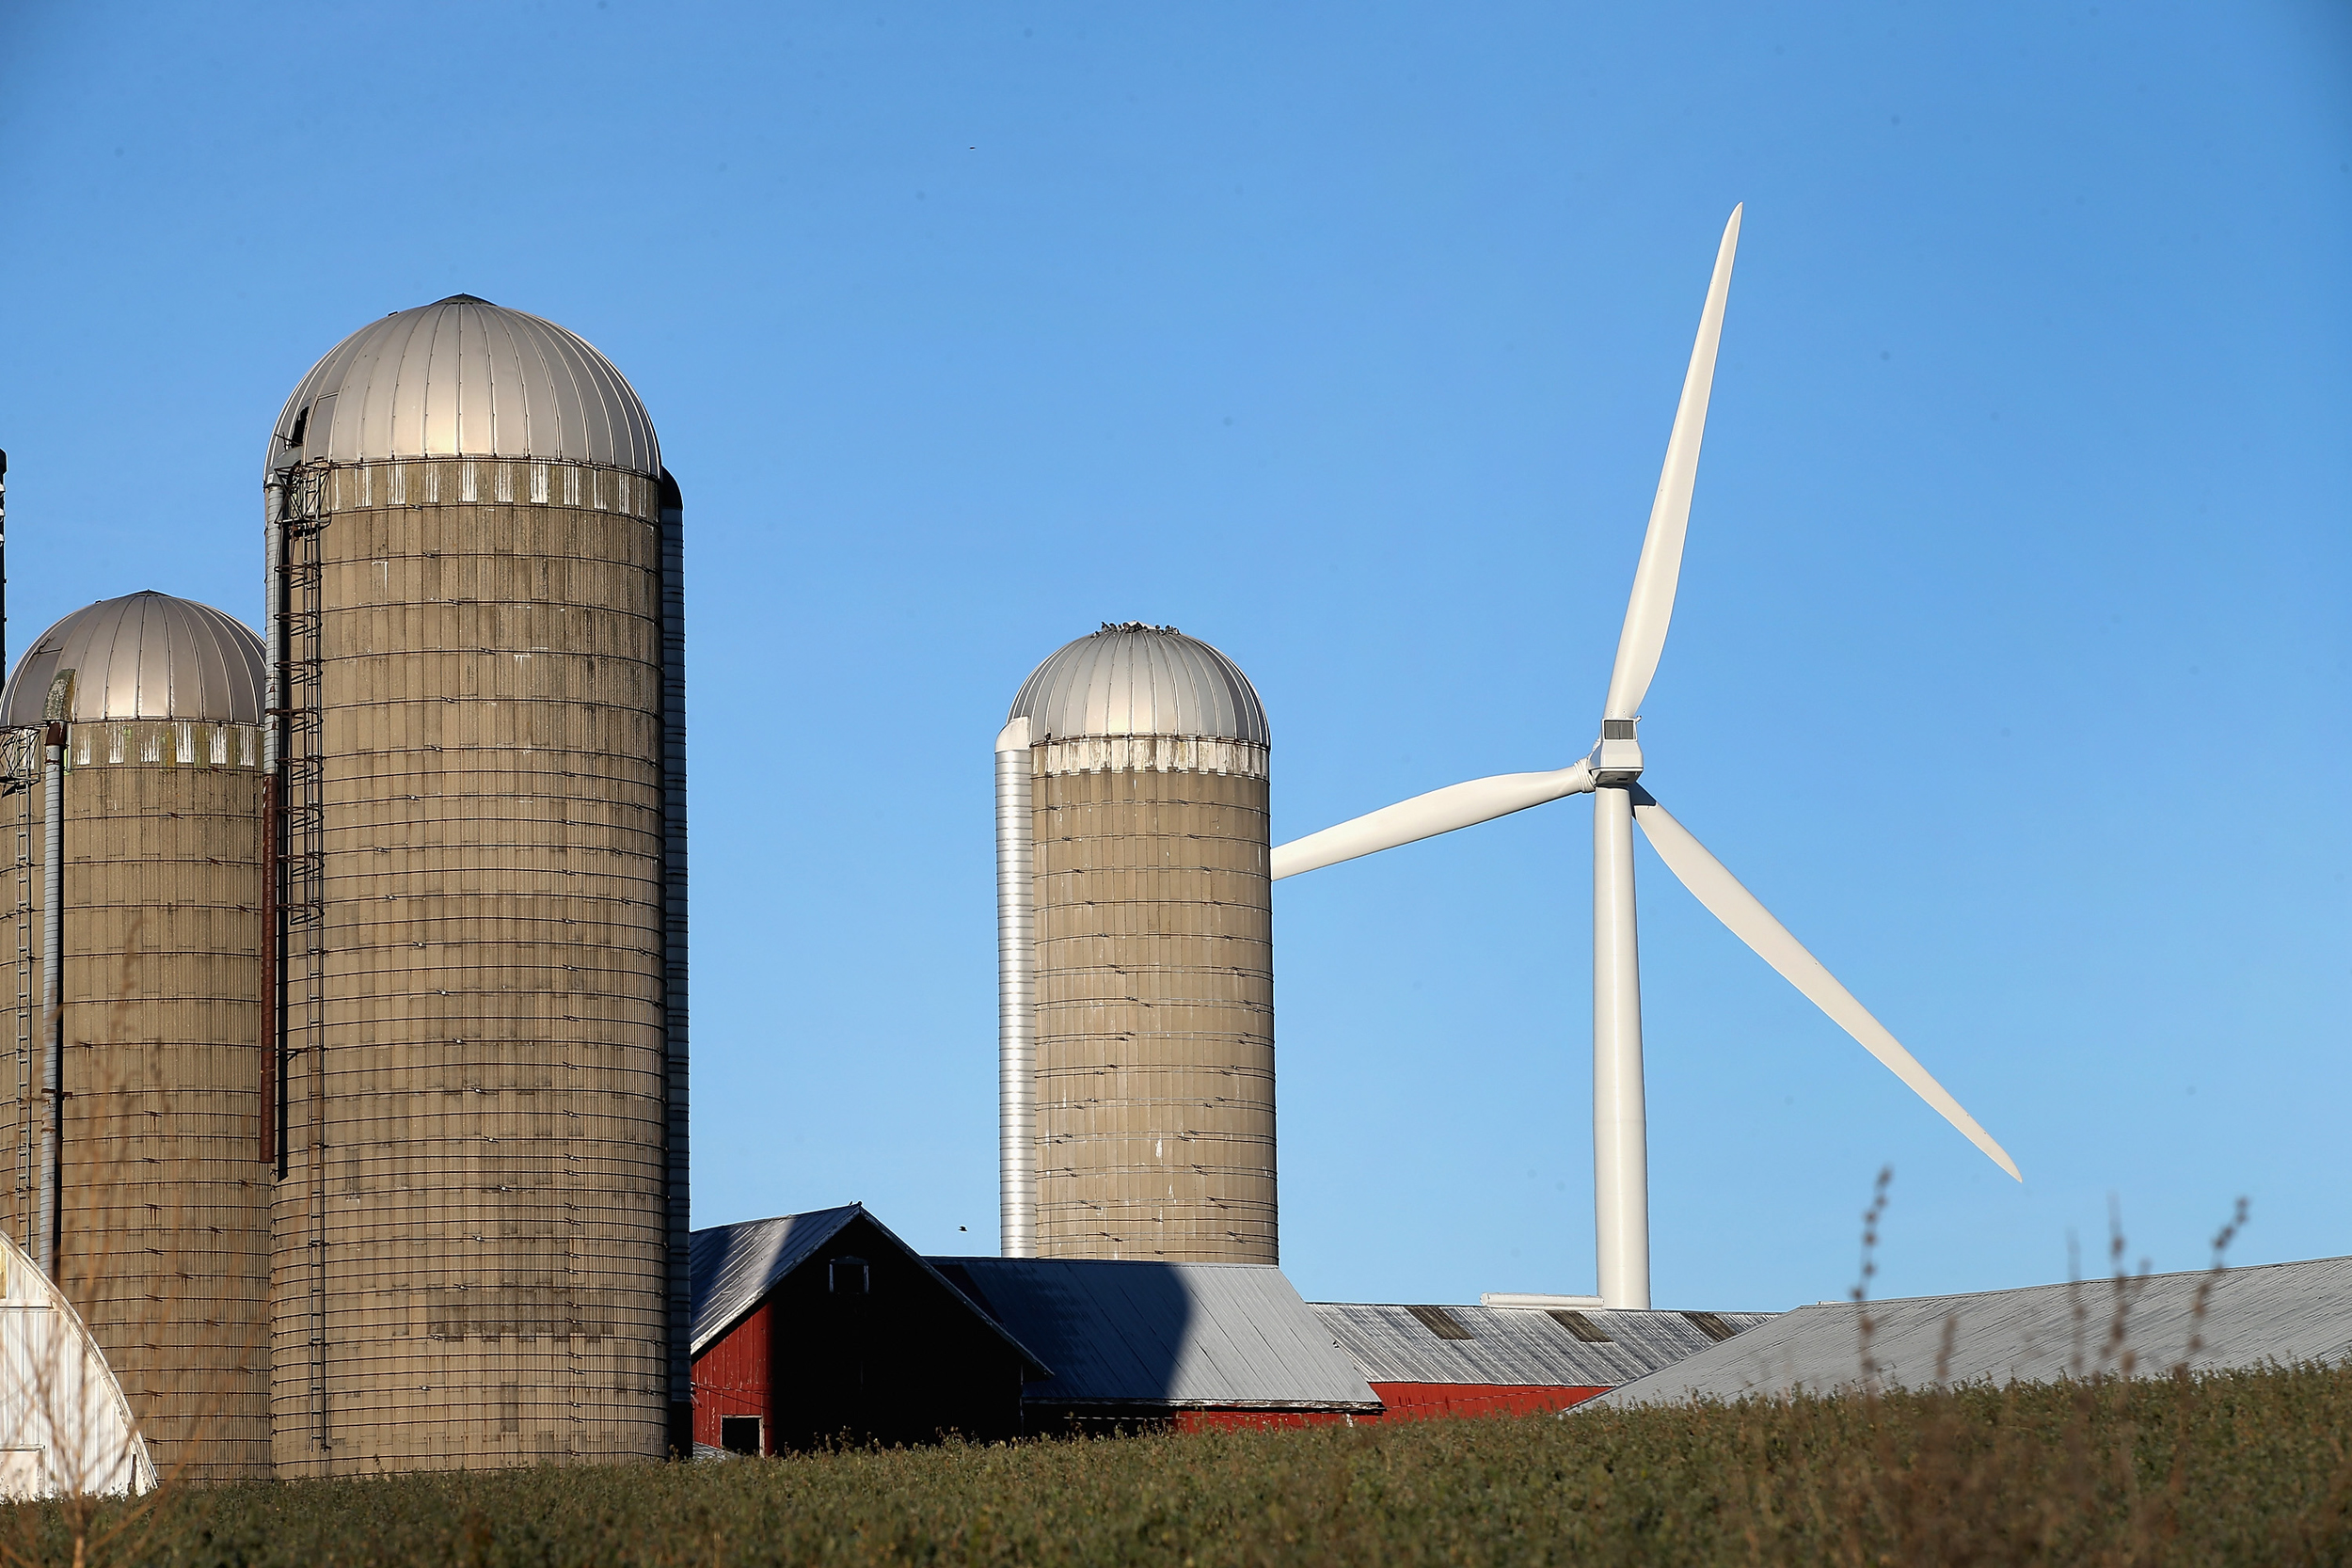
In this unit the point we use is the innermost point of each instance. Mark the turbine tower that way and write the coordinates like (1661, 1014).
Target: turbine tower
(1610, 774)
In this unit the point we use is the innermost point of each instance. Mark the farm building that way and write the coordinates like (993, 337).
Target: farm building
(1429, 1361)
(65, 1426)
(811, 1327)
(1138, 1343)
(2210, 1321)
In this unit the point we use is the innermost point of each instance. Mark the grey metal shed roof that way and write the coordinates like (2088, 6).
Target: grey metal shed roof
(144, 656)
(1223, 1336)
(1519, 1346)
(2276, 1312)
(463, 377)
(1135, 679)
(733, 1267)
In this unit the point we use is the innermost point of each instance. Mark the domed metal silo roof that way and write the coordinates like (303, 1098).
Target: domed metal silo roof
(1135, 679)
(144, 656)
(463, 377)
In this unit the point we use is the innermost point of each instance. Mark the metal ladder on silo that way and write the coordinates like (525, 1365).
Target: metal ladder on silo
(304, 903)
(21, 1214)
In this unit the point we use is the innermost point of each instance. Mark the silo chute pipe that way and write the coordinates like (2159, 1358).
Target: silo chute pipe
(1016, 997)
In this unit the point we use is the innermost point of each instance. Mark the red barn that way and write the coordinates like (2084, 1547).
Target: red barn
(815, 1327)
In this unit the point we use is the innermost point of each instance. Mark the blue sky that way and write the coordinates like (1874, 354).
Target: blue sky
(2009, 668)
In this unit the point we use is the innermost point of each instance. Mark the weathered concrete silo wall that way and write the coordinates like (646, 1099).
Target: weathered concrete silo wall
(161, 1224)
(1154, 1112)
(471, 1231)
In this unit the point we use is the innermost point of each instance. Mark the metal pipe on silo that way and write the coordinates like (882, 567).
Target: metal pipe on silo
(1016, 997)
(274, 598)
(52, 965)
(4, 561)
(273, 1150)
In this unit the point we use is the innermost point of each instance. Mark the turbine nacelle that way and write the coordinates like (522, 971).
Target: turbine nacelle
(1617, 760)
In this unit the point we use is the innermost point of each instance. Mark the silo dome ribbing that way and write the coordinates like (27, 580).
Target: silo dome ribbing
(463, 377)
(160, 1199)
(1152, 974)
(144, 656)
(480, 1217)
(1141, 680)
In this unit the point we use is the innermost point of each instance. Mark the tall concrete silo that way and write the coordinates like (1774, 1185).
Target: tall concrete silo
(1135, 956)
(133, 730)
(479, 812)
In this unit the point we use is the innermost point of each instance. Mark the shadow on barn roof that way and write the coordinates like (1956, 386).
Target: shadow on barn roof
(1173, 1336)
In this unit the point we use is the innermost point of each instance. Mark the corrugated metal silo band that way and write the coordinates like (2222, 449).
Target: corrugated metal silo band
(1016, 996)
(485, 481)
(1151, 753)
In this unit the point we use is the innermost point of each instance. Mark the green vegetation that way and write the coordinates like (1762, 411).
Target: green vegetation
(2251, 1467)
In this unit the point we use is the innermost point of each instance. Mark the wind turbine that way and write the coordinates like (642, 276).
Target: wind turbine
(1610, 775)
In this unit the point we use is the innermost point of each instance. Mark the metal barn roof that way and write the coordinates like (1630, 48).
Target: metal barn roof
(463, 377)
(1223, 1336)
(734, 1267)
(1135, 679)
(1520, 1346)
(2276, 1312)
(143, 655)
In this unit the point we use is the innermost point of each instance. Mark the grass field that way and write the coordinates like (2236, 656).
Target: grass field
(2236, 1469)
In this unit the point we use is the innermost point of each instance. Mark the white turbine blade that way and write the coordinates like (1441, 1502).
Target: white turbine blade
(1738, 908)
(1652, 606)
(1440, 811)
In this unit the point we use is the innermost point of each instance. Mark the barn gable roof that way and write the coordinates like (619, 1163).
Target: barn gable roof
(1168, 1336)
(735, 1266)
